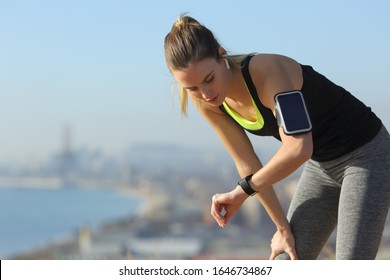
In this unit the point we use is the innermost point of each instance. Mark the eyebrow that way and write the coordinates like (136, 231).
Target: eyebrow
(204, 80)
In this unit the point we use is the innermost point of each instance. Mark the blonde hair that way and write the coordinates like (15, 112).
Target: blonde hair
(186, 43)
(189, 42)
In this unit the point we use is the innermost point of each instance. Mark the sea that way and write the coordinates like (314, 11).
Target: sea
(33, 217)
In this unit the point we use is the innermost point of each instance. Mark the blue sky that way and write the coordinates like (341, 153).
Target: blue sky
(98, 66)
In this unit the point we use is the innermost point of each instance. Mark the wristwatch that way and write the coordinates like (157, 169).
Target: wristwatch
(244, 184)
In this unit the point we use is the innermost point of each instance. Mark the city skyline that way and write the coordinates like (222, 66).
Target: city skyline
(99, 67)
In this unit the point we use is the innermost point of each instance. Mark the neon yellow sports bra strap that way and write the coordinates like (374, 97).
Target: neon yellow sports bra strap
(247, 124)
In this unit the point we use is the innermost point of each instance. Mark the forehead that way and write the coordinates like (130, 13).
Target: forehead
(195, 73)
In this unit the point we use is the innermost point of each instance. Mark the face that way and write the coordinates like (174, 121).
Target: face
(204, 80)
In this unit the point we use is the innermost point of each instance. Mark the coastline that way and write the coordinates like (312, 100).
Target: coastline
(142, 192)
(31, 182)
(67, 236)
(56, 183)
(133, 237)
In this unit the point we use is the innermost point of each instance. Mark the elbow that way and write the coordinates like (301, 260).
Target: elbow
(304, 148)
(306, 152)
(300, 147)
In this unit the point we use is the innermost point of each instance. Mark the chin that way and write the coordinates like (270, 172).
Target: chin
(217, 101)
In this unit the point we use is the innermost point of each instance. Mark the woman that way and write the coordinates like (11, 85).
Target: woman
(346, 179)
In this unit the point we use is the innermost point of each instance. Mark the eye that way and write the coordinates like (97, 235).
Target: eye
(192, 89)
(209, 80)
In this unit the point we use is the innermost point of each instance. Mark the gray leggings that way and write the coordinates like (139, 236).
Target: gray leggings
(352, 192)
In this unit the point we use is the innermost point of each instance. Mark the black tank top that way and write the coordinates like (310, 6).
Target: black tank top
(341, 123)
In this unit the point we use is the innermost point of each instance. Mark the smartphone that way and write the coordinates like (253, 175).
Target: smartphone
(291, 113)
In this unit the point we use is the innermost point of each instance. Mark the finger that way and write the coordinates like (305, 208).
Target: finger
(273, 256)
(227, 216)
(215, 212)
(216, 209)
(293, 255)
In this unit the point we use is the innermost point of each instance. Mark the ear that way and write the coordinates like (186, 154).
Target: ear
(222, 52)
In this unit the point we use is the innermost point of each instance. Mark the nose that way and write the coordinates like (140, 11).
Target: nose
(206, 94)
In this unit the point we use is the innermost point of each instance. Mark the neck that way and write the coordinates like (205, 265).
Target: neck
(237, 91)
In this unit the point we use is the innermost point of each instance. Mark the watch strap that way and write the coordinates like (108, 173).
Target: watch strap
(244, 184)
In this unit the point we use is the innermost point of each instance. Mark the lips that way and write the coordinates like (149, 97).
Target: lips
(212, 99)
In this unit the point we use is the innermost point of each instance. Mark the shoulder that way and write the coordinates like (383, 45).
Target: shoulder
(274, 73)
(269, 64)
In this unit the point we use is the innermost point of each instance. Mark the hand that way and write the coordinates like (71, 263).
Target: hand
(225, 205)
(283, 241)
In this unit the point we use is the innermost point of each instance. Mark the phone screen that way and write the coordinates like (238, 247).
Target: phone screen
(294, 112)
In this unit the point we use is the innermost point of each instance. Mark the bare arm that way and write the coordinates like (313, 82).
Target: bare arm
(241, 150)
(273, 74)
(276, 76)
